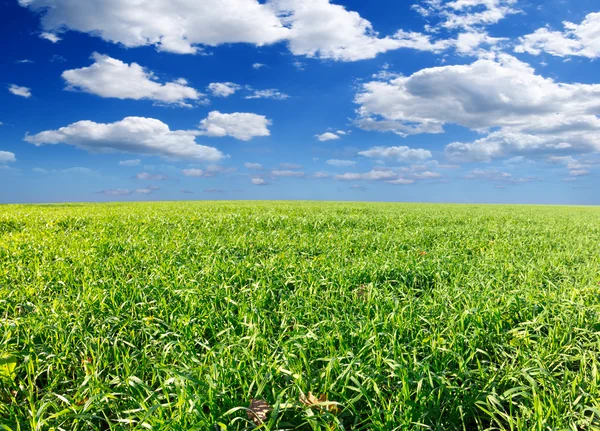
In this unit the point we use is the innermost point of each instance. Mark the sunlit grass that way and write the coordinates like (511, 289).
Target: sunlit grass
(174, 316)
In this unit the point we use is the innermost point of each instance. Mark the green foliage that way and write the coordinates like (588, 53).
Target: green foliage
(176, 316)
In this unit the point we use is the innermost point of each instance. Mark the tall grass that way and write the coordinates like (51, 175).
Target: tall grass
(175, 316)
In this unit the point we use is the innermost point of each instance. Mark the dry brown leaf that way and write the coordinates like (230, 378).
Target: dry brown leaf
(258, 411)
(322, 403)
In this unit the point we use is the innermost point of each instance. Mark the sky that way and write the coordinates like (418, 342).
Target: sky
(482, 101)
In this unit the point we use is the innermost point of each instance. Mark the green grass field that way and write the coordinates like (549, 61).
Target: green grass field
(175, 316)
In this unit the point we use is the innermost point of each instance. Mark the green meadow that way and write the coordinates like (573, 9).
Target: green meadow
(299, 316)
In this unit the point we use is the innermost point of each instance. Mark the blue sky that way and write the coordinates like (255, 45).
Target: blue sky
(432, 100)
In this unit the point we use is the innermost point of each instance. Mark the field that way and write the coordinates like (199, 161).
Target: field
(181, 316)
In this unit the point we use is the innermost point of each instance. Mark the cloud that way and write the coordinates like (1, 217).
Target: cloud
(109, 77)
(258, 66)
(256, 166)
(399, 154)
(502, 98)
(374, 175)
(287, 173)
(25, 61)
(213, 190)
(115, 192)
(182, 29)
(187, 192)
(579, 172)
(137, 135)
(328, 136)
(290, 166)
(311, 28)
(401, 181)
(19, 91)
(340, 163)
(223, 89)
(193, 172)
(494, 175)
(7, 157)
(268, 94)
(259, 182)
(576, 40)
(239, 125)
(50, 36)
(427, 175)
(150, 177)
(321, 175)
(130, 163)
(466, 14)
(146, 190)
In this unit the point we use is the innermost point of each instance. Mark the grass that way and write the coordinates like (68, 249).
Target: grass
(176, 316)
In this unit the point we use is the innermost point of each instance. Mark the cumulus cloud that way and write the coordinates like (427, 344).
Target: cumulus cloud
(321, 175)
(290, 166)
(137, 135)
(503, 98)
(340, 163)
(258, 66)
(259, 182)
(271, 93)
(193, 172)
(576, 40)
(130, 163)
(19, 91)
(239, 125)
(374, 175)
(223, 89)
(146, 176)
(328, 136)
(256, 166)
(7, 157)
(466, 14)
(399, 154)
(50, 36)
(497, 176)
(311, 28)
(109, 77)
(287, 173)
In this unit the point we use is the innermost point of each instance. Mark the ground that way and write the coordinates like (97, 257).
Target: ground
(319, 316)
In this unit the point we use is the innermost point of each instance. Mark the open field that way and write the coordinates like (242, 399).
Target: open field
(174, 316)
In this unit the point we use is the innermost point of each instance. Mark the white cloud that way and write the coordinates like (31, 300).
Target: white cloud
(24, 61)
(427, 175)
(466, 14)
(327, 136)
(50, 36)
(576, 40)
(286, 173)
(531, 114)
(321, 174)
(146, 190)
(19, 91)
(497, 176)
(223, 89)
(340, 163)
(290, 166)
(137, 135)
(193, 172)
(258, 66)
(75, 170)
(579, 172)
(268, 94)
(240, 125)
(7, 157)
(115, 192)
(374, 175)
(259, 182)
(399, 154)
(146, 176)
(311, 28)
(130, 163)
(401, 181)
(109, 77)
(179, 29)
(256, 166)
